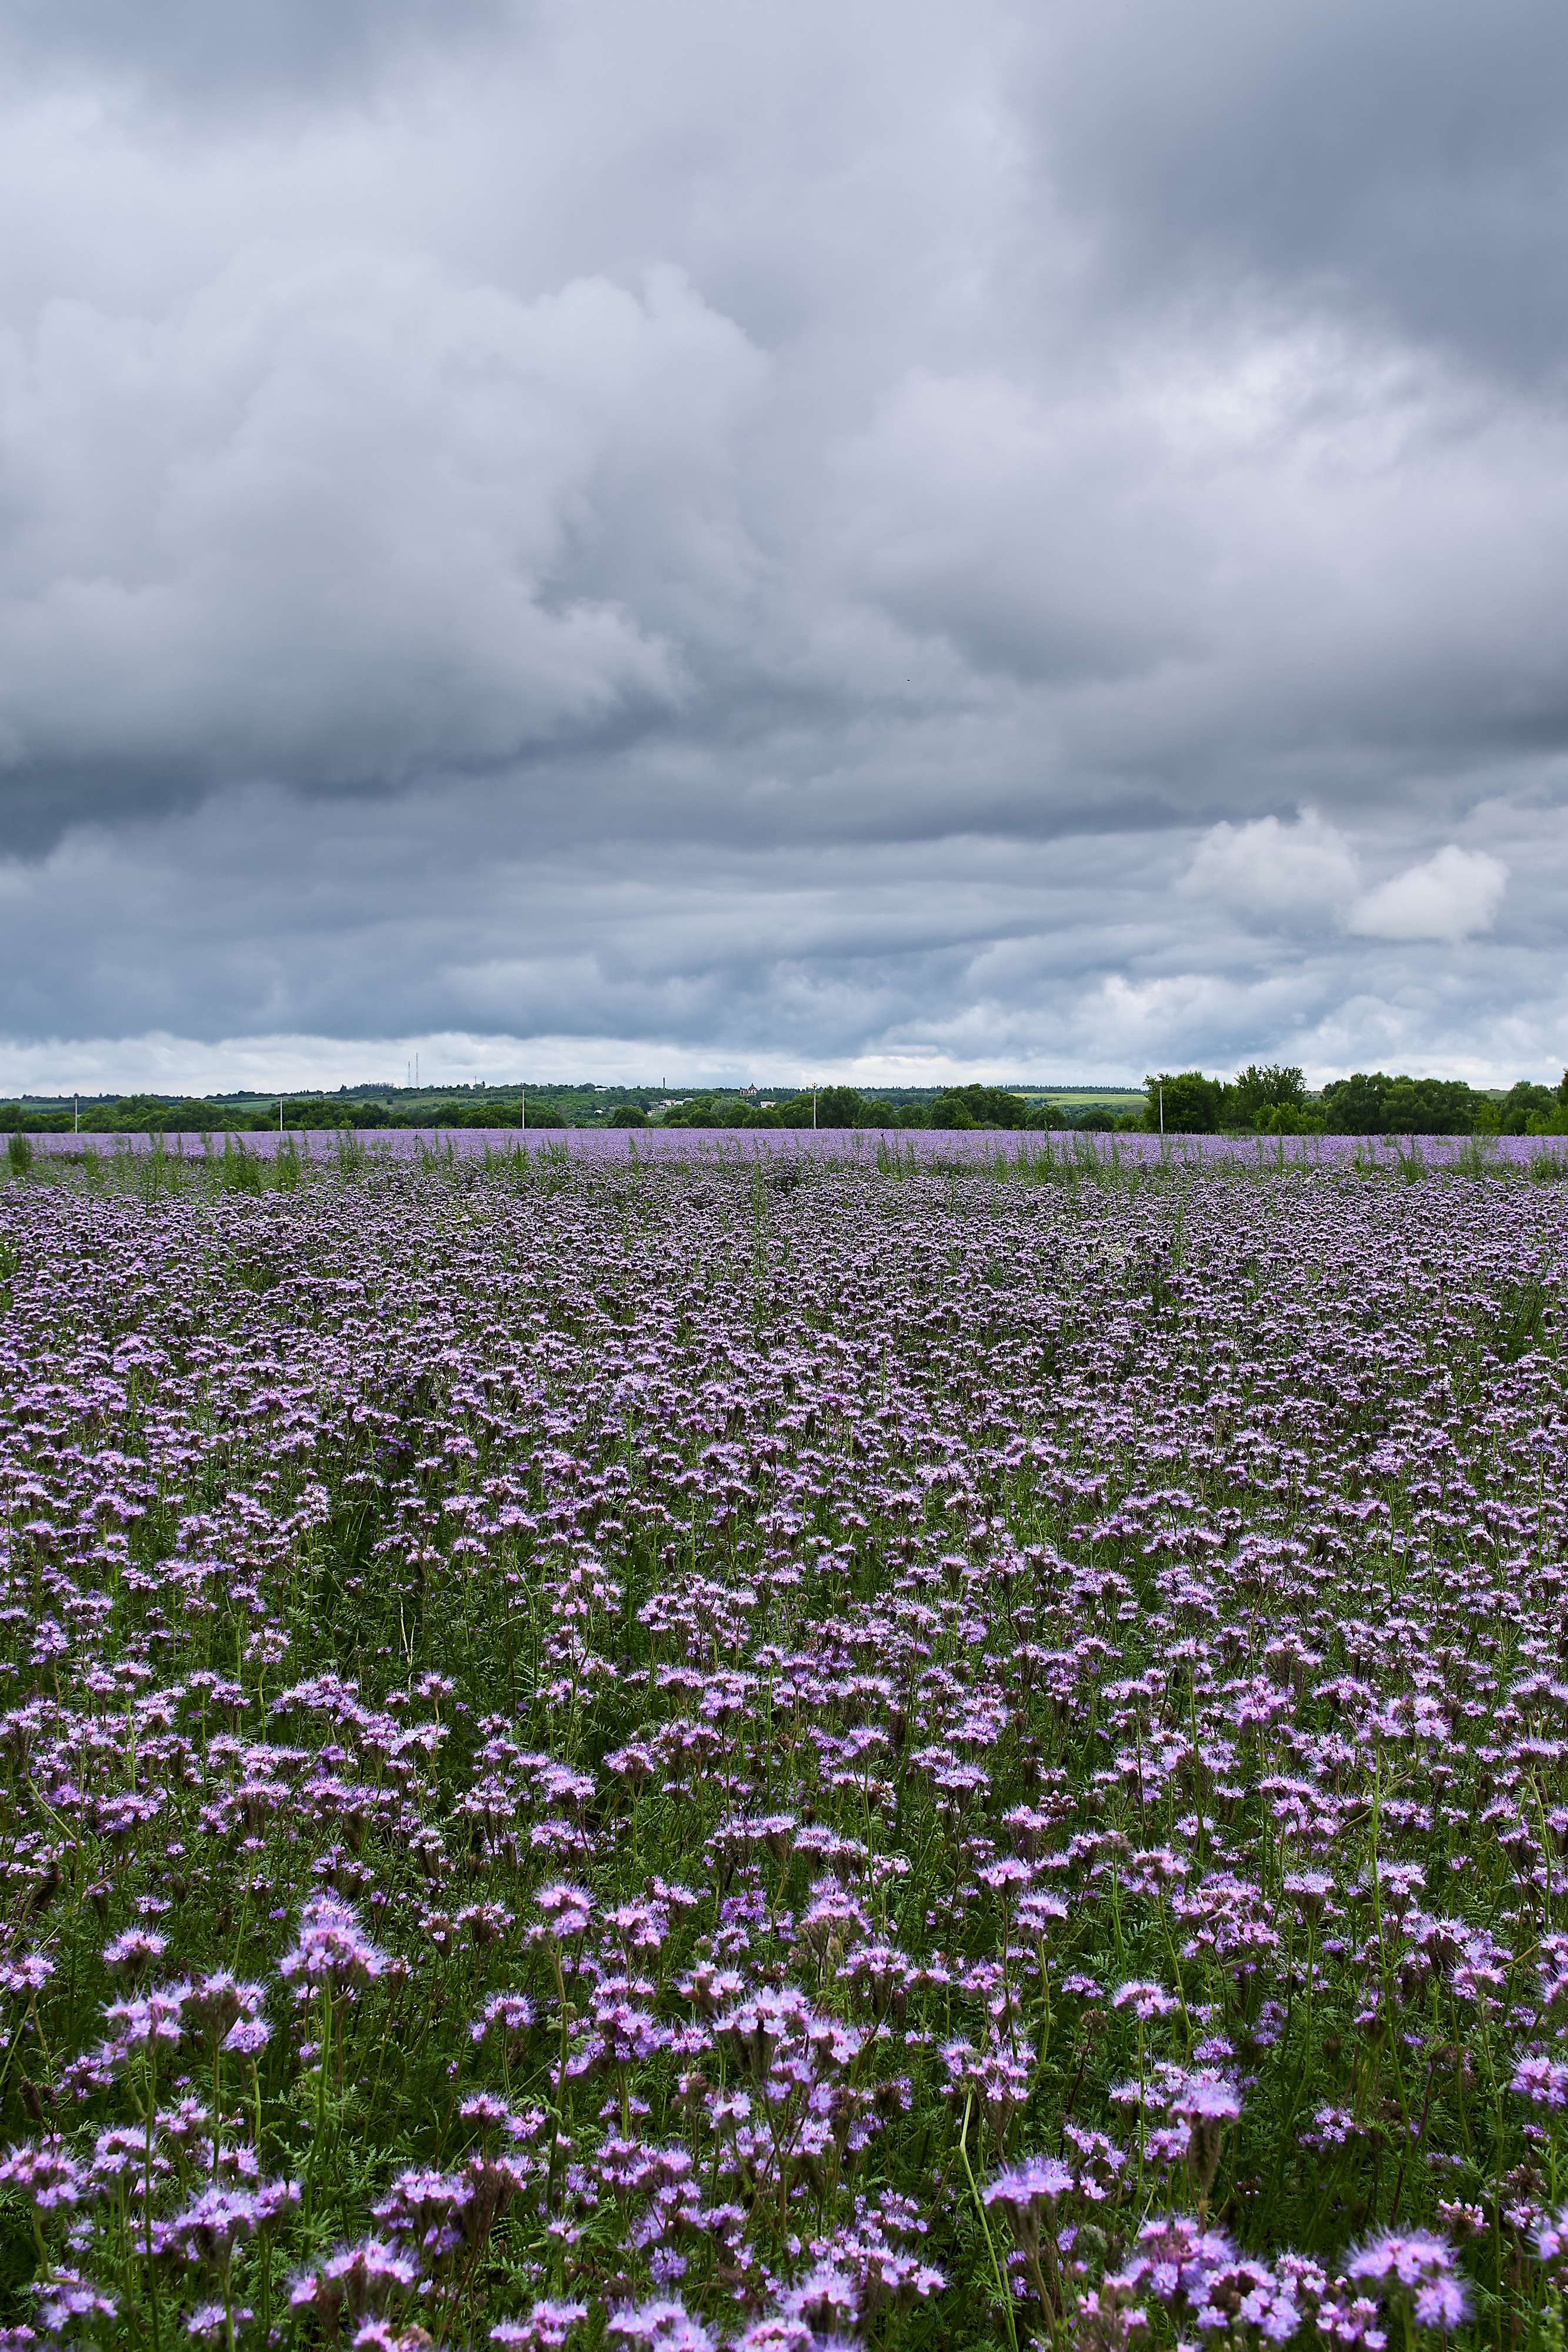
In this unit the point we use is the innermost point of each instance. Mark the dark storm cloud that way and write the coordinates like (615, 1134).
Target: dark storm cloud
(938, 531)
(244, 49)
(1409, 158)
(295, 921)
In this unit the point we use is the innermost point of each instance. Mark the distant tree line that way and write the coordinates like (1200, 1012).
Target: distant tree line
(1262, 1100)
(1273, 1099)
(564, 1107)
(837, 1107)
(152, 1115)
(135, 1114)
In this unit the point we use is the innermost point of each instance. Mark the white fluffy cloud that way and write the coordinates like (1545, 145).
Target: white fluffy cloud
(340, 518)
(1274, 873)
(1450, 896)
(1269, 875)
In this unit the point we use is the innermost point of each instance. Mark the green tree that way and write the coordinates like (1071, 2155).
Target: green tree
(1357, 1105)
(1524, 1103)
(312, 1112)
(835, 1106)
(1429, 1107)
(1260, 1090)
(193, 1117)
(628, 1115)
(1183, 1101)
(17, 1121)
(714, 1109)
(977, 1106)
(1371, 1103)
(127, 1115)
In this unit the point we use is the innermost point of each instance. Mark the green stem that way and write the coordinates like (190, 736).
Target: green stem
(1003, 2289)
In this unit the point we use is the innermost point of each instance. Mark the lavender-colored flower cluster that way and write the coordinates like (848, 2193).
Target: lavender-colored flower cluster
(771, 1754)
(1059, 1153)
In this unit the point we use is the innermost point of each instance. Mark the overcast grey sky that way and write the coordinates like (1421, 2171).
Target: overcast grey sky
(646, 538)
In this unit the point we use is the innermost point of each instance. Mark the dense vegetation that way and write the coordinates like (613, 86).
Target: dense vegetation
(949, 1107)
(555, 1106)
(1270, 1100)
(642, 1755)
(1273, 1100)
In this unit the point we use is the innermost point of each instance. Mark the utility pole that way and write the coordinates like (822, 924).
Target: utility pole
(1161, 1083)
(76, 1114)
(280, 1114)
(814, 1110)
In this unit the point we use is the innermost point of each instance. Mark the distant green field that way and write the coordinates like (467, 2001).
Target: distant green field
(1083, 1097)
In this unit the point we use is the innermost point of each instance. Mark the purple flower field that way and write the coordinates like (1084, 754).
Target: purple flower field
(909, 1147)
(824, 1747)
